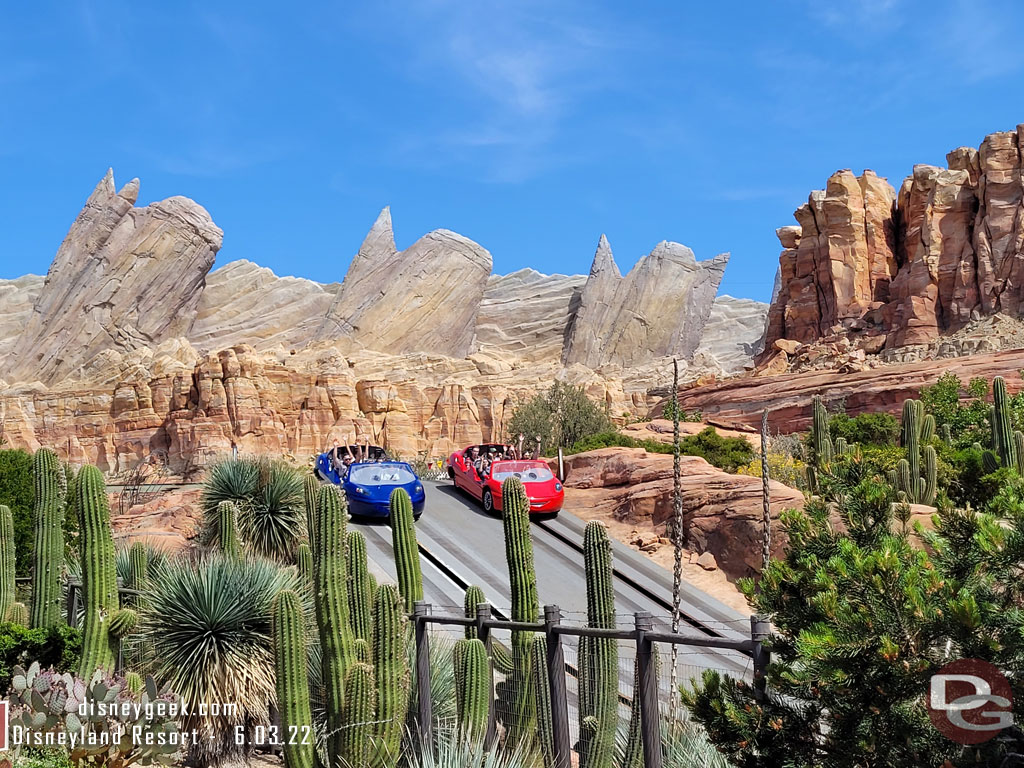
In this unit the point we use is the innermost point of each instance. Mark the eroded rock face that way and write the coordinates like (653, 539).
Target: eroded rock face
(868, 262)
(526, 315)
(244, 303)
(721, 512)
(423, 299)
(733, 333)
(123, 279)
(659, 309)
(17, 298)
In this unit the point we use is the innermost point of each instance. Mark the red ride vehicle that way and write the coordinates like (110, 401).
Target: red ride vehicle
(542, 487)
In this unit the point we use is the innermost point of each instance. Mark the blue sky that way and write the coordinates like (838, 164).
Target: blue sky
(531, 127)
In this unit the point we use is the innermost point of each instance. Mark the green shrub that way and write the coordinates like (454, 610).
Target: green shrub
(16, 491)
(670, 408)
(728, 453)
(561, 417)
(865, 428)
(59, 647)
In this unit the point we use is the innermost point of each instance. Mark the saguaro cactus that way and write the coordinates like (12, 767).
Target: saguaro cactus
(227, 529)
(304, 560)
(472, 687)
(391, 663)
(599, 708)
(914, 427)
(523, 581)
(331, 599)
(360, 702)
(407, 551)
(542, 697)
(474, 597)
(360, 587)
(1003, 441)
(821, 446)
(105, 622)
(292, 679)
(48, 558)
(18, 614)
(310, 488)
(6, 562)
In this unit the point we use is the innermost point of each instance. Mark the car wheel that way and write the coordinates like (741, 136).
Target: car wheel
(488, 501)
(451, 473)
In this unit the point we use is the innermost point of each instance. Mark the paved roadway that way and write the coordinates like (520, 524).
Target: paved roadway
(456, 531)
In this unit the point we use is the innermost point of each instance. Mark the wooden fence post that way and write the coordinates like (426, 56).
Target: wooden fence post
(425, 715)
(556, 682)
(760, 628)
(483, 632)
(650, 714)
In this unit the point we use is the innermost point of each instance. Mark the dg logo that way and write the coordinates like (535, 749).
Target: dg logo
(970, 701)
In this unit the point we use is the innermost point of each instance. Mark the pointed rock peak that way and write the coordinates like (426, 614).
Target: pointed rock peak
(381, 236)
(130, 191)
(604, 261)
(105, 189)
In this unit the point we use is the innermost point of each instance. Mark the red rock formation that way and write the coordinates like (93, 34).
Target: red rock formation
(739, 402)
(911, 266)
(722, 512)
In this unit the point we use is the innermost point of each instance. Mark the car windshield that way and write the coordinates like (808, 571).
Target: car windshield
(527, 471)
(381, 474)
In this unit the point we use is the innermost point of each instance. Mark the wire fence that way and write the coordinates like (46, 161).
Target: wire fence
(642, 646)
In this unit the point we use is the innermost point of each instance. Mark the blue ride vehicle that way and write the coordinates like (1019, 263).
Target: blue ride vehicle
(368, 484)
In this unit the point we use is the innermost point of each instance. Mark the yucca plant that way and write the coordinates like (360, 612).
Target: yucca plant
(207, 626)
(683, 743)
(452, 749)
(270, 500)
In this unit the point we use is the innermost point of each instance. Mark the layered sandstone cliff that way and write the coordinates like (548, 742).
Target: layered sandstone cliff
(659, 309)
(124, 278)
(866, 261)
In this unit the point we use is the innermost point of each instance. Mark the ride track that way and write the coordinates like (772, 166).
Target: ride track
(460, 545)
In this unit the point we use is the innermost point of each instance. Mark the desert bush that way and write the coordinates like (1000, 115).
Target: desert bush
(865, 428)
(207, 626)
(782, 467)
(964, 408)
(269, 498)
(59, 647)
(728, 453)
(16, 491)
(560, 417)
(668, 412)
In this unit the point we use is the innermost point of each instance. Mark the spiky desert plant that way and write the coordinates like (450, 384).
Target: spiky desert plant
(523, 582)
(331, 597)
(310, 489)
(914, 426)
(7, 564)
(598, 709)
(207, 625)
(393, 676)
(133, 682)
(361, 586)
(946, 432)
(304, 561)
(542, 698)
(292, 679)
(472, 686)
(105, 622)
(48, 558)
(227, 529)
(910, 439)
(269, 496)
(474, 596)
(138, 566)
(453, 750)
(1003, 442)
(357, 741)
(407, 551)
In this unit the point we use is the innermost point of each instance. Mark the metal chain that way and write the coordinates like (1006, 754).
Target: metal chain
(766, 520)
(677, 529)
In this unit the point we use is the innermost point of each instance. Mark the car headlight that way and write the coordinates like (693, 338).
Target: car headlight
(359, 490)
(419, 489)
(558, 486)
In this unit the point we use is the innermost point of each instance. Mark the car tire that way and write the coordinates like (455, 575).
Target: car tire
(451, 473)
(488, 501)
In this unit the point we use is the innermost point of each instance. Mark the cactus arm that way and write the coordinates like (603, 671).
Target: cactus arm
(310, 491)
(391, 663)
(542, 697)
(227, 529)
(360, 701)
(1002, 426)
(930, 475)
(601, 712)
(360, 587)
(474, 597)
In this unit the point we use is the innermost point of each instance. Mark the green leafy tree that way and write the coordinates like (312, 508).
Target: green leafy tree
(863, 616)
(16, 492)
(560, 417)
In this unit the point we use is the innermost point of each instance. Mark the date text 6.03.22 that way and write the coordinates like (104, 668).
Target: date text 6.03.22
(271, 735)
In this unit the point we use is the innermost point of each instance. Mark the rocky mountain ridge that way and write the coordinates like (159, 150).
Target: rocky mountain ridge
(890, 269)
